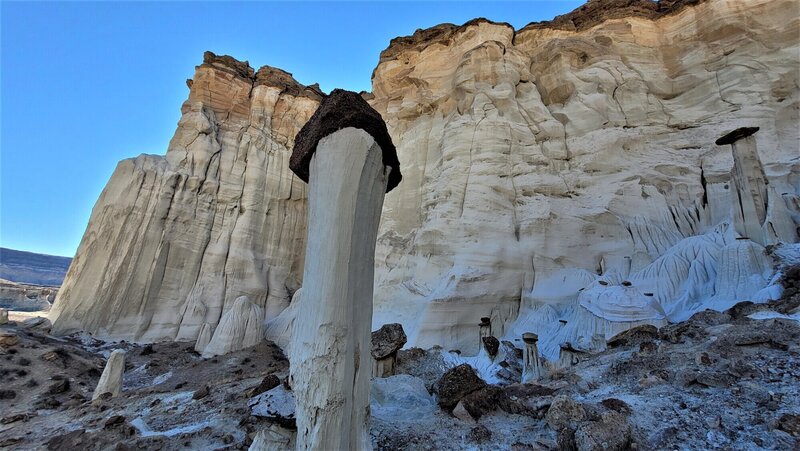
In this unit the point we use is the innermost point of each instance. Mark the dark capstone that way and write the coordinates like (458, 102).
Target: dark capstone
(456, 383)
(387, 340)
(736, 135)
(342, 109)
(491, 344)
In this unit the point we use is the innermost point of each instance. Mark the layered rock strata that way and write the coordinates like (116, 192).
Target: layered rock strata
(568, 170)
(561, 179)
(174, 240)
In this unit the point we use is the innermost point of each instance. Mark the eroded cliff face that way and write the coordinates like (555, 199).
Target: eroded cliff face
(174, 240)
(568, 170)
(560, 179)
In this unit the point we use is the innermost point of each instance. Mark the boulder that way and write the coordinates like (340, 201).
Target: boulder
(455, 384)
(387, 340)
(564, 413)
(277, 405)
(611, 433)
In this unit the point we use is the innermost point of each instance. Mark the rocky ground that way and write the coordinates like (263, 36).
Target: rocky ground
(724, 380)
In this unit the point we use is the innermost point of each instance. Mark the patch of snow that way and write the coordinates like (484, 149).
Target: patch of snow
(145, 430)
(768, 314)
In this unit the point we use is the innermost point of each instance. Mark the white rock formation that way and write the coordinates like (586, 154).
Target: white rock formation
(532, 367)
(330, 361)
(538, 162)
(111, 379)
(174, 240)
(3, 316)
(401, 397)
(240, 327)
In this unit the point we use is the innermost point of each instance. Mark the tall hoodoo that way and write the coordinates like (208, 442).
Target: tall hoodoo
(758, 213)
(532, 368)
(346, 155)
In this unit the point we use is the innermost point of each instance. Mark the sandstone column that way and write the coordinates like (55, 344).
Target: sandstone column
(345, 154)
(3, 316)
(749, 182)
(484, 329)
(111, 379)
(531, 364)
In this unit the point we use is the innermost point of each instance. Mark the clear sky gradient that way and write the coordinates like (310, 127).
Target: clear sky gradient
(86, 84)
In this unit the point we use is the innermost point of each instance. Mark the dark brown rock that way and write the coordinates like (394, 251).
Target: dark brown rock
(268, 383)
(790, 423)
(343, 109)
(59, 386)
(491, 344)
(611, 433)
(387, 340)
(616, 405)
(479, 434)
(637, 335)
(200, 393)
(457, 383)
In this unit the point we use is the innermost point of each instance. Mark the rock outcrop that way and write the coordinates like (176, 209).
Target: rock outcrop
(173, 241)
(110, 383)
(240, 327)
(568, 170)
(561, 179)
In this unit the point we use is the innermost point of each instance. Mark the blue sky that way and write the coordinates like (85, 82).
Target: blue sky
(86, 84)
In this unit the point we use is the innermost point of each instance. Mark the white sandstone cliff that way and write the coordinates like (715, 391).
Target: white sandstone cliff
(174, 240)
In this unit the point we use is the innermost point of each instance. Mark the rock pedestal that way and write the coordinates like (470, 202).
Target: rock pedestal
(348, 172)
(532, 368)
(758, 212)
(111, 379)
(386, 341)
(3, 316)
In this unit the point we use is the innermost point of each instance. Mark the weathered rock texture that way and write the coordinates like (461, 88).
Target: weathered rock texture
(174, 240)
(569, 170)
(111, 380)
(564, 171)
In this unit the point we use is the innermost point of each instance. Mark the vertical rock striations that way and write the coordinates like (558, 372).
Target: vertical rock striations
(540, 162)
(174, 240)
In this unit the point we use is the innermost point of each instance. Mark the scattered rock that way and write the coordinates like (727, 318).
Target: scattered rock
(617, 405)
(611, 433)
(14, 418)
(59, 386)
(790, 423)
(147, 350)
(200, 393)
(8, 339)
(277, 404)
(457, 383)
(8, 394)
(634, 336)
(268, 383)
(563, 413)
(387, 340)
(491, 344)
(115, 420)
(479, 434)
(460, 412)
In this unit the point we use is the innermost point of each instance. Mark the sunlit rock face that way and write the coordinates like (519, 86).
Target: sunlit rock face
(539, 162)
(174, 240)
(562, 179)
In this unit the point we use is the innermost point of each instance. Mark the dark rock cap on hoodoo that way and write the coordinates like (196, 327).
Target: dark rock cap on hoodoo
(736, 135)
(342, 109)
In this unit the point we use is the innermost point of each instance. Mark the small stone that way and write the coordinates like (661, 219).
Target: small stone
(790, 423)
(8, 394)
(115, 420)
(59, 386)
(8, 339)
(461, 413)
(201, 393)
(268, 383)
(147, 350)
